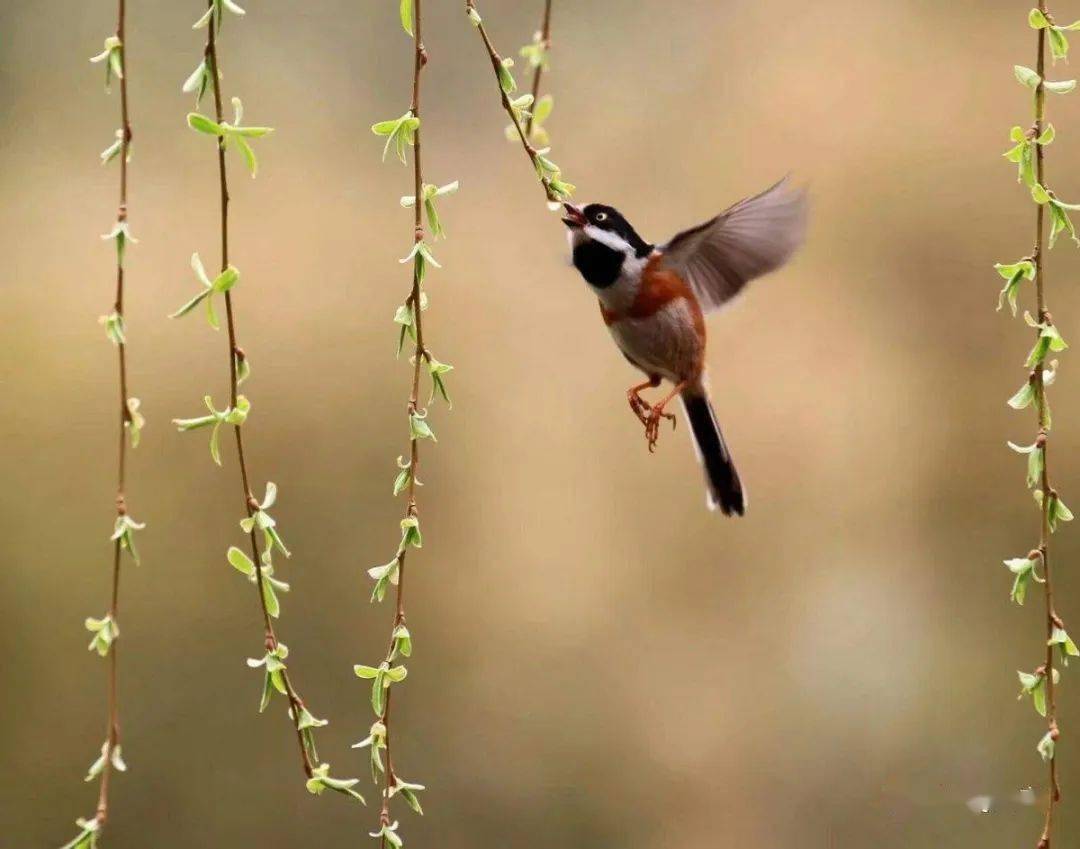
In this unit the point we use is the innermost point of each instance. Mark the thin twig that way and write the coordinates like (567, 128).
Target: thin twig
(496, 61)
(420, 353)
(296, 703)
(545, 42)
(1042, 409)
(112, 729)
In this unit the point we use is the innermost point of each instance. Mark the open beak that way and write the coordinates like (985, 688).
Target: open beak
(575, 218)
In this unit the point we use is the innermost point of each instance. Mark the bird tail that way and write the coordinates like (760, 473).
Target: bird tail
(722, 480)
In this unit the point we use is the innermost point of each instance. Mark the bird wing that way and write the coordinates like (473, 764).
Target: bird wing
(755, 236)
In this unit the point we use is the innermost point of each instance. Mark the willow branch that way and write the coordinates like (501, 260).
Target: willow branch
(112, 729)
(545, 42)
(420, 354)
(554, 187)
(236, 355)
(1043, 417)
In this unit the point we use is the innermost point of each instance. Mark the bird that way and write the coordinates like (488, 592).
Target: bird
(654, 298)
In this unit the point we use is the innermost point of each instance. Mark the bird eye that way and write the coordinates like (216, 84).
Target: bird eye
(601, 216)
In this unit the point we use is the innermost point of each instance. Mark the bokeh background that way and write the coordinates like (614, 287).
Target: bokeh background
(600, 662)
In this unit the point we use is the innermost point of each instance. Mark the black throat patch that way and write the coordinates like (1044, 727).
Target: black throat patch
(598, 264)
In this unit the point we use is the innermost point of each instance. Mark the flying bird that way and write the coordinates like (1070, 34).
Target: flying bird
(654, 298)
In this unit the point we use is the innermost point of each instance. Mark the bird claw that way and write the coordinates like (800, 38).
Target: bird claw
(652, 425)
(640, 407)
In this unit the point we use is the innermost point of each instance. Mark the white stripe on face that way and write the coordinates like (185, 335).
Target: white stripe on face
(611, 240)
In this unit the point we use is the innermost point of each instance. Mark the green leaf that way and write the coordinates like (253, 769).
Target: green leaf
(321, 780)
(105, 632)
(408, 791)
(406, 16)
(383, 576)
(506, 79)
(403, 640)
(1014, 274)
(202, 124)
(410, 533)
(542, 110)
(1064, 644)
(1060, 87)
(1024, 396)
(419, 428)
(1010, 291)
(1035, 461)
(190, 305)
(270, 599)
(87, 836)
(215, 443)
(197, 82)
(378, 694)
(1045, 747)
(1057, 343)
(1059, 44)
(1037, 20)
(1026, 76)
(113, 150)
(226, 280)
(248, 154)
(395, 674)
(134, 421)
(404, 476)
(114, 327)
(400, 132)
(240, 561)
(1058, 512)
(1060, 221)
(1023, 570)
(1034, 685)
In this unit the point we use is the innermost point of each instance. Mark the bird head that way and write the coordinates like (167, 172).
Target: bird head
(602, 241)
(596, 222)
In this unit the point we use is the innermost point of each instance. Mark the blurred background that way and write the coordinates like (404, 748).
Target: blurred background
(600, 661)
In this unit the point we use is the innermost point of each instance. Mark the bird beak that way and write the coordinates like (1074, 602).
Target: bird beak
(575, 218)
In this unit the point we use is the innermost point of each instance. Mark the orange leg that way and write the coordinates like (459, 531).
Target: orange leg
(639, 405)
(652, 424)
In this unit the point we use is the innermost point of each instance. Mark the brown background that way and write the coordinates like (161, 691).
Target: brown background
(600, 662)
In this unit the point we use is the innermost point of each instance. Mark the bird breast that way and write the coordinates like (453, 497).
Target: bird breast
(656, 321)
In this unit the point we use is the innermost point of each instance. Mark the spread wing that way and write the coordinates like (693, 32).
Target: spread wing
(755, 236)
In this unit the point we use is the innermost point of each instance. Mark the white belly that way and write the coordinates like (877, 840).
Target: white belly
(664, 343)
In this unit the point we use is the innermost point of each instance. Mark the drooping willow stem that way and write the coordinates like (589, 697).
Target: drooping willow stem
(1043, 418)
(236, 356)
(112, 731)
(545, 44)
(555, 187)
(420, 354)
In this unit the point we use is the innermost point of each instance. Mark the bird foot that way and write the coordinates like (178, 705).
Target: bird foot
(640, 407)
(652, 425)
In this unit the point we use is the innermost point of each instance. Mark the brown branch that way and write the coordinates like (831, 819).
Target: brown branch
(420, 353)
(112, 728)
(296, 703)
(1042, 409)
(523, 134)
(545, 41)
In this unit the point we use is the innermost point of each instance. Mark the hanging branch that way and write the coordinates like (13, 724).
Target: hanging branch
(1028, 152)
(537, 54)
(526, 119)
(400, 133)
(257, 523)
(106, 630)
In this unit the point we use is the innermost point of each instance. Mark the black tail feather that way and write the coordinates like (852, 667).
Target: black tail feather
(724, 487)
